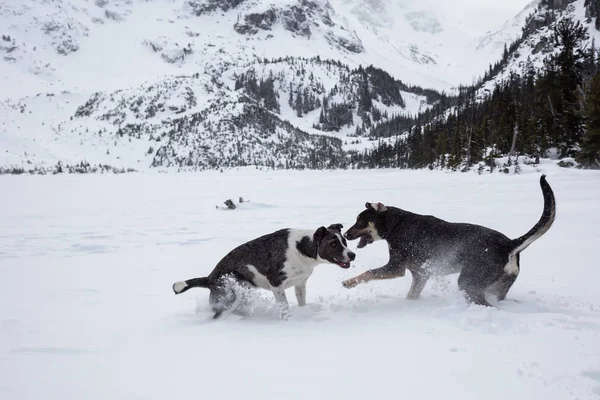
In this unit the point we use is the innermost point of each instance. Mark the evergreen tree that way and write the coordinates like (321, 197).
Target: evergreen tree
(590, 149)
(298, 103)
(365, 102)
(569, 35)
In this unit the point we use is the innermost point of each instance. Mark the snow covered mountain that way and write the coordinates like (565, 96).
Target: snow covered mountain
(80, 45)
(287, 113)
(494, 41)
(535, 42)
(219, 83)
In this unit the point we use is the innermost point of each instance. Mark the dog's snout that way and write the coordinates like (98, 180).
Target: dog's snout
(351, 256)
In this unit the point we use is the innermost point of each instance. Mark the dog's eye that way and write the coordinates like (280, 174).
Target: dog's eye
(334, 244)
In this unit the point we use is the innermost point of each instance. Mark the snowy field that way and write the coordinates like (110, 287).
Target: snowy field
(87, 311)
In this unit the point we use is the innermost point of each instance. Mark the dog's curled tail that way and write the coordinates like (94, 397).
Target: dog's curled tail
(545, 222)
(182, 286)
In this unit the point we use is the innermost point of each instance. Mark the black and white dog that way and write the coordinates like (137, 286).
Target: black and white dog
(487, 260)
(276, 262)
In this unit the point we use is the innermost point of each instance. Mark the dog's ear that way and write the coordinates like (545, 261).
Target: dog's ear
(320, 234)
(378, 207)
(336, 227)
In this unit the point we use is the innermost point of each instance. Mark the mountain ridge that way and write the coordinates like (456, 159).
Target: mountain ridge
(297, 100)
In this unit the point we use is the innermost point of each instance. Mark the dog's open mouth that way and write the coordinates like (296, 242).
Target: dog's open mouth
(341, 263)
(365, 240)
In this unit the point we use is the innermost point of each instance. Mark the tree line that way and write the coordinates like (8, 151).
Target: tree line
(557, 107)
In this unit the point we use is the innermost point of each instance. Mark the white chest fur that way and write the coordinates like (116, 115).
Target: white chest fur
(296, 274)
(298, 267)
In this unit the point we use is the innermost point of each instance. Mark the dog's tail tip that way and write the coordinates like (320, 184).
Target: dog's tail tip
(545, 222)
(179, 287)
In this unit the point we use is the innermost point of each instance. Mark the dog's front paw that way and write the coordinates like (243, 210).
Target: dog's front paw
(350, 283)
(285, 314)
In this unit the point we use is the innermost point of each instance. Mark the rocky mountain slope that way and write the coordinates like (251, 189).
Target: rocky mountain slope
(83, 45)
(536, 42)
(287, 113)
(221, 83)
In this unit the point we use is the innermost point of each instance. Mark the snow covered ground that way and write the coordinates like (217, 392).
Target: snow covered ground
(87, 311)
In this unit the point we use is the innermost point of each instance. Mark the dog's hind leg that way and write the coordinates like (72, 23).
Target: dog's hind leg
(501, 287)
(417, 286)
(477, 297)
(223, 300)
(474, 290)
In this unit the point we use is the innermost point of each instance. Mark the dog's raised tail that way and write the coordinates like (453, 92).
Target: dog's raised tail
(182, 286)
(545, 222)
